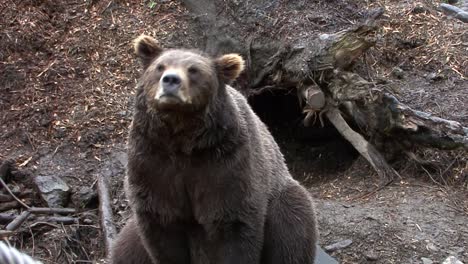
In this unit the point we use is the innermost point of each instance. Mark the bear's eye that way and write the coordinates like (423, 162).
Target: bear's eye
(160, 67)
(192, 70)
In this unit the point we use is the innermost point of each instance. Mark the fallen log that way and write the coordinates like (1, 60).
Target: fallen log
(285, 49)
(422, 128)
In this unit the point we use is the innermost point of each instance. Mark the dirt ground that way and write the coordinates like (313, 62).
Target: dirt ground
(67, 77)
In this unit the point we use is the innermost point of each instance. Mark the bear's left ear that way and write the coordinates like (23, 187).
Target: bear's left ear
(230, 66)
(146, 48)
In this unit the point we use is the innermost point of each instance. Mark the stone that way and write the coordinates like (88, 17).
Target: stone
(431, 247)
(87, 221)
(419, 9)
(86, 197)
(426, 260)
(371, 256)
(398, 72)
(339, 245)
(121, 157)
(53, 190)
(452, 260)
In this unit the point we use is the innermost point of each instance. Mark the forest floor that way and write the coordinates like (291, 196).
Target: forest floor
(67, 80)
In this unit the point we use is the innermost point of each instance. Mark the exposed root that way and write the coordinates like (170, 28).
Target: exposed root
(369, 152)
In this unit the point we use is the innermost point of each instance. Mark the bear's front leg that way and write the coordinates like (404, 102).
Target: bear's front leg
(240, 243)
(166, 244)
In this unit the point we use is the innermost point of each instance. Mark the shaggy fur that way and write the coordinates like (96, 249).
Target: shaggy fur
(206, 181)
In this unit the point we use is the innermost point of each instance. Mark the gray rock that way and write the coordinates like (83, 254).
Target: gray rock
(419, 10)
(53, 190)
(371, 256)
(339, 245)
(398, 72)
(456, 251)
(85, 197)
(452, 260)
(87, 221)
(426, 261)
(431, 247)
(121, 157)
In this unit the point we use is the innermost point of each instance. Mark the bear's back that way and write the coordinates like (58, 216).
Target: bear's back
(269, 162)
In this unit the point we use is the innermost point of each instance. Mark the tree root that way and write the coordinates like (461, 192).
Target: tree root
(369, 152)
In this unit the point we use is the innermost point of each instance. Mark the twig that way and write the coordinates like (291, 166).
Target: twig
(107, 7)
(47, 68)
(12, 195)
(106, 213)
(18, 221)
(66, 220)
(371, 192)
(43, 223)
(46, 210)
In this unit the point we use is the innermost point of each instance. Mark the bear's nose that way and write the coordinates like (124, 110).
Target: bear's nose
(170, 82)
(171, 78)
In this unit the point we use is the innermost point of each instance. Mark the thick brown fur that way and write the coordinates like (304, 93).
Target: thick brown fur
(206, 180)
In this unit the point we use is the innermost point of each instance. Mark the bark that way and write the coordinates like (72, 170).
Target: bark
(105, 210)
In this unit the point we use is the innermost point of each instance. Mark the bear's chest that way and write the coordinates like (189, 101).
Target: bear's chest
(183, 191)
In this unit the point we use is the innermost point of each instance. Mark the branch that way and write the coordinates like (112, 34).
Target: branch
(18, 221)
(12, 195)
(106, 213)
(5, 206)
(45, 210)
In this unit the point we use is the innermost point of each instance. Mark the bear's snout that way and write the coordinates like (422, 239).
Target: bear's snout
(170, 83)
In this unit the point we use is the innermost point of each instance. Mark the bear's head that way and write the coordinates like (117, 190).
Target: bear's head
(183, 81)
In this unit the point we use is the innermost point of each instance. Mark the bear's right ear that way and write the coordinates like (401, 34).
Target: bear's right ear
(146, 48)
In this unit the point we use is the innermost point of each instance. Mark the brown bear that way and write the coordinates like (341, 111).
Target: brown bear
(206, 181)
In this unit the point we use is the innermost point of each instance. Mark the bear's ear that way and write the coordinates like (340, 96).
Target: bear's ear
(230, 66)
(146, 48)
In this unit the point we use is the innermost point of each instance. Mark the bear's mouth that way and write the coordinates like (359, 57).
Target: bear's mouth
(168, 101)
